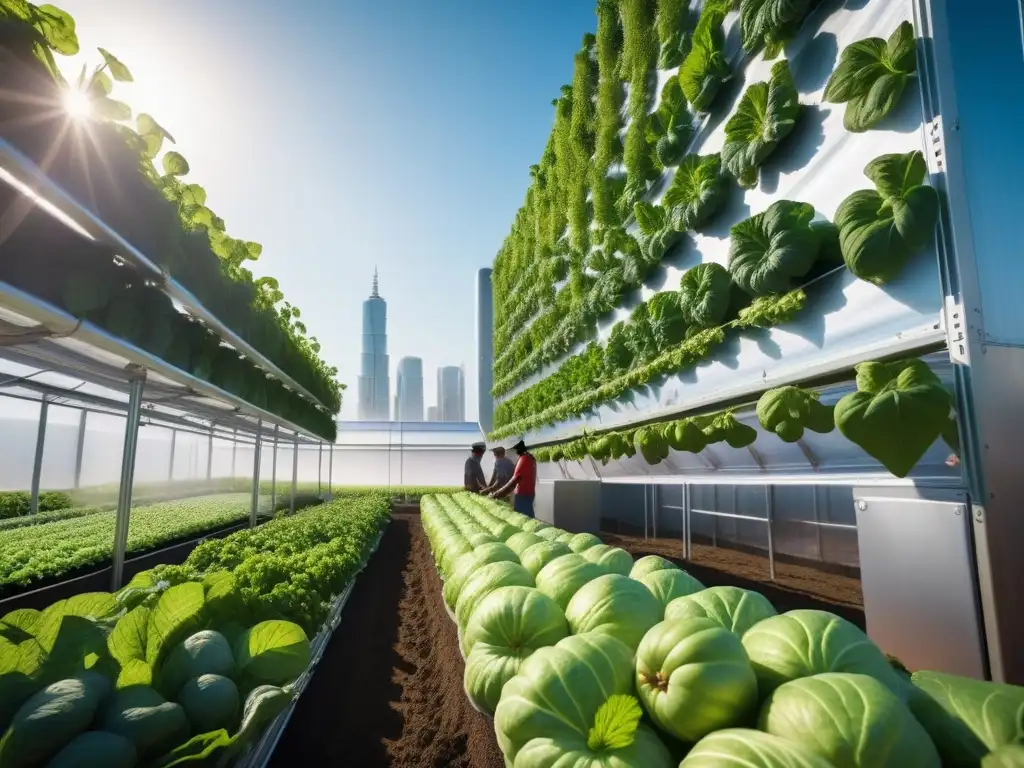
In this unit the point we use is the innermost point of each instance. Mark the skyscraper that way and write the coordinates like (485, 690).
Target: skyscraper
(409, 395)
(451, 394)
(432, 413)
(373, 371)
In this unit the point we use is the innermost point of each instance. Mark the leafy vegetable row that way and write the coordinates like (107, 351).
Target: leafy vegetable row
(587, 658)
(895, 415)
(186, 663)
(111, 168)
(616, 264)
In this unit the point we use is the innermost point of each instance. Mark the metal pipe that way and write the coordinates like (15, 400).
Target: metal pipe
(295, 474)
(124, 494)
(273, 475)
(330, 471)
(645, 513)
(817, 520)
(730, 515)
(234, 451)
(769, 505)
(37, 463)
(209, 454)
(80, 447)
(714, 523)
(174, 448)
(319, 468)
(255, 501)
(686, 518)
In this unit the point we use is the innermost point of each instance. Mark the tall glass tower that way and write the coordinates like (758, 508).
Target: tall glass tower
(374, 385)
(451, 394)
(409, 394)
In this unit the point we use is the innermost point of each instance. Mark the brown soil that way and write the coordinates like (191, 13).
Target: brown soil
(795, 586)
(388, 691)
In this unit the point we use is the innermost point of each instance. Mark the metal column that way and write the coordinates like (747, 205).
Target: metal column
(37, 464)
(295, 473)
(769, 504)
(234, 451)
(255, 503)
(330, 471)
(686, 521)
(170, 464)
(124, 494)
(209, 454)
(80, 447)
(319, 467)
(273, 475)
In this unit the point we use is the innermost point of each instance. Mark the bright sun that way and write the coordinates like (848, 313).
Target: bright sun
(76, 104)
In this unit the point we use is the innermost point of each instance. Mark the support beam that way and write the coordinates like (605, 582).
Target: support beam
(273, 475)
(330, 471)
(209, 454)
(80, 447)
(174, 447)
(255, 503)
(124, 494)
(319, 467)
(295, 473)
(37, 463)
(234, 449)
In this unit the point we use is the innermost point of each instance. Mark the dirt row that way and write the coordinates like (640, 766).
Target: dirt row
(388, 691)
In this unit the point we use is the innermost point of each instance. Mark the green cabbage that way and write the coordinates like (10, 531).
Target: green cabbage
(697, 193)
(571, 705)
(771, 23)
(520, 541)
(536, 557)
(745, 748)
(733, 608)
(614, 605)
(803, 643)
(851, 720)
(967, 718)
(507, 627)
(705, 67)
(562, 577)
(705, 292)
(1009, 756)
(211, 702)
(272, 652)
(668, 584)
(649, 564)
(203, 653)
(96, 749)
(146, 719)
(771, 249)
(787, 411)
(583, 541)
(471, 562)
(485, 581)
(612, 559)
(694, 677)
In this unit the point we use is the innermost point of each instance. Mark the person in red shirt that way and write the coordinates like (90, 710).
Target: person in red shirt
(524, 481)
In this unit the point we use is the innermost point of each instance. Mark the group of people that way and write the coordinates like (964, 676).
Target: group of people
(506, 478)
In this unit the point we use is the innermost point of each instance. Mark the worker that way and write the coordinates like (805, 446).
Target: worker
(474, 480)
(503, 469)
(524, 481)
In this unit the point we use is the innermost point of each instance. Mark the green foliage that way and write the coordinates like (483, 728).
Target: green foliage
(898, 411)
(672, 18)
(609, 103)
(705, 69)
(770, 249)
(704, 294)
(770, 23)
(871, 77)
(879, 230)
(766, 114)
(787, 411)
(639, 52)
(697, 192)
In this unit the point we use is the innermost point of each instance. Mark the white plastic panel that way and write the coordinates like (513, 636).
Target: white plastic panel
(846, 320)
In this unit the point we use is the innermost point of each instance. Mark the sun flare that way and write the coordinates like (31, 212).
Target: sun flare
(77, 104)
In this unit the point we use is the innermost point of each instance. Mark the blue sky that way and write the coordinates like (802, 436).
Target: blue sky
(346, 134)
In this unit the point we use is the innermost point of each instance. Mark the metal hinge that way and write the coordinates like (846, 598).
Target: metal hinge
(936, 156)
(955, 325)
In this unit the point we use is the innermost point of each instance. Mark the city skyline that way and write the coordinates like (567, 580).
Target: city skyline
(374, 386)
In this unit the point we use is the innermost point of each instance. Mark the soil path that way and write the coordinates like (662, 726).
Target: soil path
(388, 690)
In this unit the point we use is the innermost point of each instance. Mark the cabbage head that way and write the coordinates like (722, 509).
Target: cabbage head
(694, 677)
(571, 705)
(851, 720)
(697, 193)
(787, 411)
(485, 581)
(520, 541)
(204, 653)
(562, 577)
(771, 250)
(550, 533)
(649, 564)
(452, 549)
(614, 605)
(612, 559)
(967, 718)
(667, 585)
(470, 563)
(746, 748)
(705, 291)
(96, 749)
(583, 541)
(536, 557)
(507, 627)
(211, 702)
(805, 642)
(1010, 756)
(733, 608)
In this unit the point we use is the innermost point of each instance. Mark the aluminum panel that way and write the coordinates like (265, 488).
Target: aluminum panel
(572, 505)
(846, 320)
(917, 575)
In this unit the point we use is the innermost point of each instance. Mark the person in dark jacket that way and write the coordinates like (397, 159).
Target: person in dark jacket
(473, 474)
(503, 469)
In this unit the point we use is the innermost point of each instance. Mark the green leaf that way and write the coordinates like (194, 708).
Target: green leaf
(650, 218)
(967, 718)
(705, 68)
(57, 28)
(20, 625)
(771, 23)
(273, 652)
(666, 319)
(871, 77)
(111, 109)
(615, 723)
(135, 672)
(788, 411)
(724, 427)
(118, 70)
(175, 164)
(896, 175)
(100, 84)
(697, 192)
(766, 114)
(153, 134)
(178, 613)
(127, 641)
(704, 294)
(769, 250)
(897, 412)
(197, 749)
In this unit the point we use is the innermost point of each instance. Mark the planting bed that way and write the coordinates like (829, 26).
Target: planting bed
(388, 690)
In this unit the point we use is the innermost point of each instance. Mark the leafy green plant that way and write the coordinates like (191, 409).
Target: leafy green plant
(658, 234)
(697, 193)
(666, 320)
(880, 229)
(770, 23)
(609, 102)
(766, 114)
(673, 37)
(788, 411)
(871, 77)
(705, 292)
(898, 411)
(771, 249)
(705, 69)
(639, 52)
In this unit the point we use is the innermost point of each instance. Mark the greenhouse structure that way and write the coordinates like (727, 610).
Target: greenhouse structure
(754, 322)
